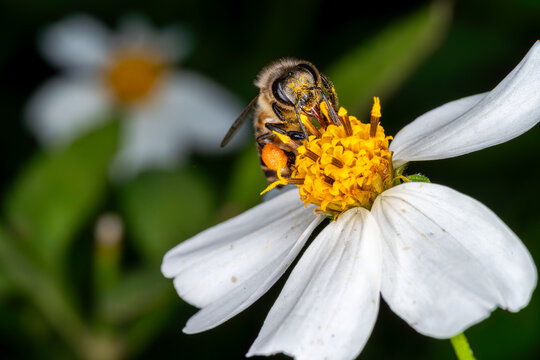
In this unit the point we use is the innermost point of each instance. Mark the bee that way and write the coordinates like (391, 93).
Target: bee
(290, 92)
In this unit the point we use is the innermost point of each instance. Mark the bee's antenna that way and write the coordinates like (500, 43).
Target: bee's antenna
(331, 111)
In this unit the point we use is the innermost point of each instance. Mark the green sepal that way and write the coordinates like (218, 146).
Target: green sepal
(418, 178)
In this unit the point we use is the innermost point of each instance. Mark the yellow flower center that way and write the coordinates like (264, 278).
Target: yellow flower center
(343, 171)
(133, 75)
(345, 165)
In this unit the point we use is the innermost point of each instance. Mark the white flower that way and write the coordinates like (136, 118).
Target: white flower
(441, 260)
(166, 112)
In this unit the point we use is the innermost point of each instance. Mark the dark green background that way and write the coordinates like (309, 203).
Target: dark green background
(485, 40)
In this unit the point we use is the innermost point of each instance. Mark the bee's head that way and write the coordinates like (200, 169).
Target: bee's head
(297, 87)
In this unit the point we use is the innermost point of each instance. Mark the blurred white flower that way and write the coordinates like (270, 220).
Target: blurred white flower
(166, 112)
(441, 260)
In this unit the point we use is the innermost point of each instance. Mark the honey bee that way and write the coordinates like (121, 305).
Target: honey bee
(288, 89)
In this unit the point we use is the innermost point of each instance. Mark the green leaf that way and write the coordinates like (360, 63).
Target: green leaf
(56, 192)
(5, 286)
(418, 178)
(247, 180)
(163, 209)
(379, 66)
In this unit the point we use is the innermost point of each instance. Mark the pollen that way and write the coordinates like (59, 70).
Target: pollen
(345, 167)
(273, 157)
(132, 76)
(283, 138)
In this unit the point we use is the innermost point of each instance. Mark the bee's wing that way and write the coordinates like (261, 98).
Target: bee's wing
(239, 121)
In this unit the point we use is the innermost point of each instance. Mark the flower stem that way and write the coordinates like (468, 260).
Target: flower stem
(461, 347)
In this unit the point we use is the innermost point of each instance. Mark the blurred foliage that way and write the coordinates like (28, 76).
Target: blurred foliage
(379, 65)
(164, 208)
(57, 192)
(115, 303)
(246, 180)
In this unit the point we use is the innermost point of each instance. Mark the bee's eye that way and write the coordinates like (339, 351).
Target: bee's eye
(310, 70)
(279, 93)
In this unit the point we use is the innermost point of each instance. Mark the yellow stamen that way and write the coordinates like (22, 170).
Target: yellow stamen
(375, 116)
(329, 180)
(337, 163)
(351, 169)
(324, 111)
(310, 154)
(346, 122)
(376, 108)
(296, 181)
(309, 125)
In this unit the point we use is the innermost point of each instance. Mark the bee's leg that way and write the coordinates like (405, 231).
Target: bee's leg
(262, 139)
(279, 114)
(328, 86)
(276, 127)
(294, 135)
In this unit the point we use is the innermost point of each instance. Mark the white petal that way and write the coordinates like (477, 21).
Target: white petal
(147, 142)
(77, 42)
(329, 304)
(64, 108)
(476, 122)
(136, 33)
(422, 127)
(225, 257)
(203, 110)
(249, 291)
(188, 112)
(448, 261)
(174, 42)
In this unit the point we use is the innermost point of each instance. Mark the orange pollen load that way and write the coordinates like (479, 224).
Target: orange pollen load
(132, 76)
(274, 157)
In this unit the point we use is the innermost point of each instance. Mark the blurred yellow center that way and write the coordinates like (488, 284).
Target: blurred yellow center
(133, 76)
(343, 168)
